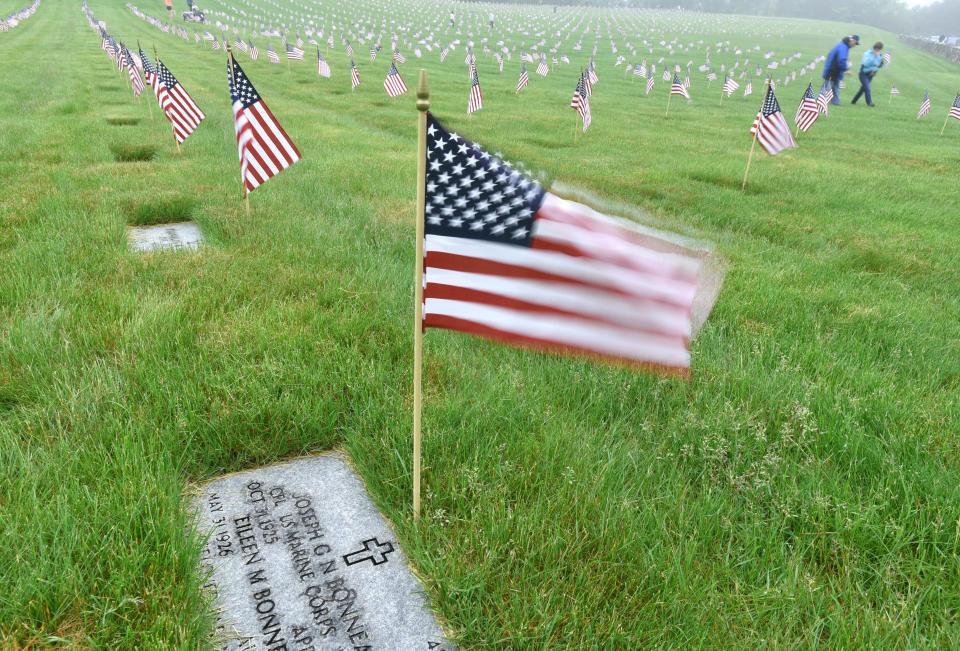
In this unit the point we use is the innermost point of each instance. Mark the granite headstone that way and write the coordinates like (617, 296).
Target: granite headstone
(300, 559)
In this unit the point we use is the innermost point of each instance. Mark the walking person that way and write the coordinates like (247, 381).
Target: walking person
(837, 65)
(871, 62)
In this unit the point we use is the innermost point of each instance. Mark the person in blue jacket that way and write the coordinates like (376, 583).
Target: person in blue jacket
(871, 62)
(837, 65)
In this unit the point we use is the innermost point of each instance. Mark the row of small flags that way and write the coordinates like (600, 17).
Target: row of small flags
(13, 20)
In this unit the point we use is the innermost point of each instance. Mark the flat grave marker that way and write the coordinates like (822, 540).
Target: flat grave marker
(301, 559)
(166, 237)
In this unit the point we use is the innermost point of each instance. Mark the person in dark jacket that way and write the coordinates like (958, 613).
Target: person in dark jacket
(837, 65)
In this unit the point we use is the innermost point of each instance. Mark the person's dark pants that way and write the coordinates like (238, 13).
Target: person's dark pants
(864, 89)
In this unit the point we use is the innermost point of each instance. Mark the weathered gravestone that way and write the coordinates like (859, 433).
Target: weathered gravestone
(301, 559)
(183, 235)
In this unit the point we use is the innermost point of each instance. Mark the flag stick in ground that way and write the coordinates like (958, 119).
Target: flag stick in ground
(947, 118)
(423, 104)
(749, 158)
(668, 104)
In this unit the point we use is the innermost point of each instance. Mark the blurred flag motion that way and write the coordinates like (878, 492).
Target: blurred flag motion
(506, 260)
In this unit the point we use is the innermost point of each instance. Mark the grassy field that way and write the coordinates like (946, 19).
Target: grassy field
(801, 490)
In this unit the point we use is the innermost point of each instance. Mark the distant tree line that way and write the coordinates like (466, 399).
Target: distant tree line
(940, 18)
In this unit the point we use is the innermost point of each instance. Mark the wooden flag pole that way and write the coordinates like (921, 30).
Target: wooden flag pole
(423, 104)
(670, 95)
(946, 118)
(749, 158)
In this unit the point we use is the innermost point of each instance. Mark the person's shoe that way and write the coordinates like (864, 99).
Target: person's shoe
(853, 101)
(871, 105)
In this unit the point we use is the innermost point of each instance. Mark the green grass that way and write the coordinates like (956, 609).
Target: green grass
(801, 490)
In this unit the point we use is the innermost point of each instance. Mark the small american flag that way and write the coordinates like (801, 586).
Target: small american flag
(886, 58)
(182, 111)
(711, 76)
(399, 58)
(354, 75)
(650, 82)
(581, 102)
(393, 83)
(271, 55)
(136, 81)
(323, 68)
(524, 78)
(748, 89)
(542, 68)
(894, 90)
(924, 105)
(729, 85)
(349, 50)
(823, 99)
(807, 111)
(678, 88)
(642, 70)
(955, 109)
(373, 54)
(505, 260)
(772, 131)
(241, 45)
(294, 53)
(475, 103)
(265, 148)
(254, 52)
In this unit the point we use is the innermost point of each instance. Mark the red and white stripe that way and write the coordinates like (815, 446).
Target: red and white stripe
(393, 83)
(264, 147)
(588, 284)
(773, 134)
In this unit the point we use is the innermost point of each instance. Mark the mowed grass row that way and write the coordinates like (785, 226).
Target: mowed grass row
(801, 490)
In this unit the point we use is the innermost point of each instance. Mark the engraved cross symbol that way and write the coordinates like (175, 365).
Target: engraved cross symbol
(373, 551)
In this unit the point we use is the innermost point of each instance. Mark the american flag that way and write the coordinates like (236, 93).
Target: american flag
(443, 53)
(241, 45)
(748, 89)
(592, 73)
(349, 50)
(294, 53)
(475, 103)
(136, 81)
(354, 75)
(399, 58)
(393, 83)
(955, 109)
(772, 131)
(524, 78)
(505, 260)
(271, 55)
(729, 85)
(711, 76)
(666, 73)
(323, 68)
(581, 102)
(265, 148)
(807, 111)
(642, 70)
(678, 88)
(924, 105)
(373, 53)
(150, 74)
(823, 99)
(182, 111)
(886, 58)
(254, 52)
(894, 90)
(650, 82)
(542, 68)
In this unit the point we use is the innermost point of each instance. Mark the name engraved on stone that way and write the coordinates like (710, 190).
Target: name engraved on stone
(300, 559)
